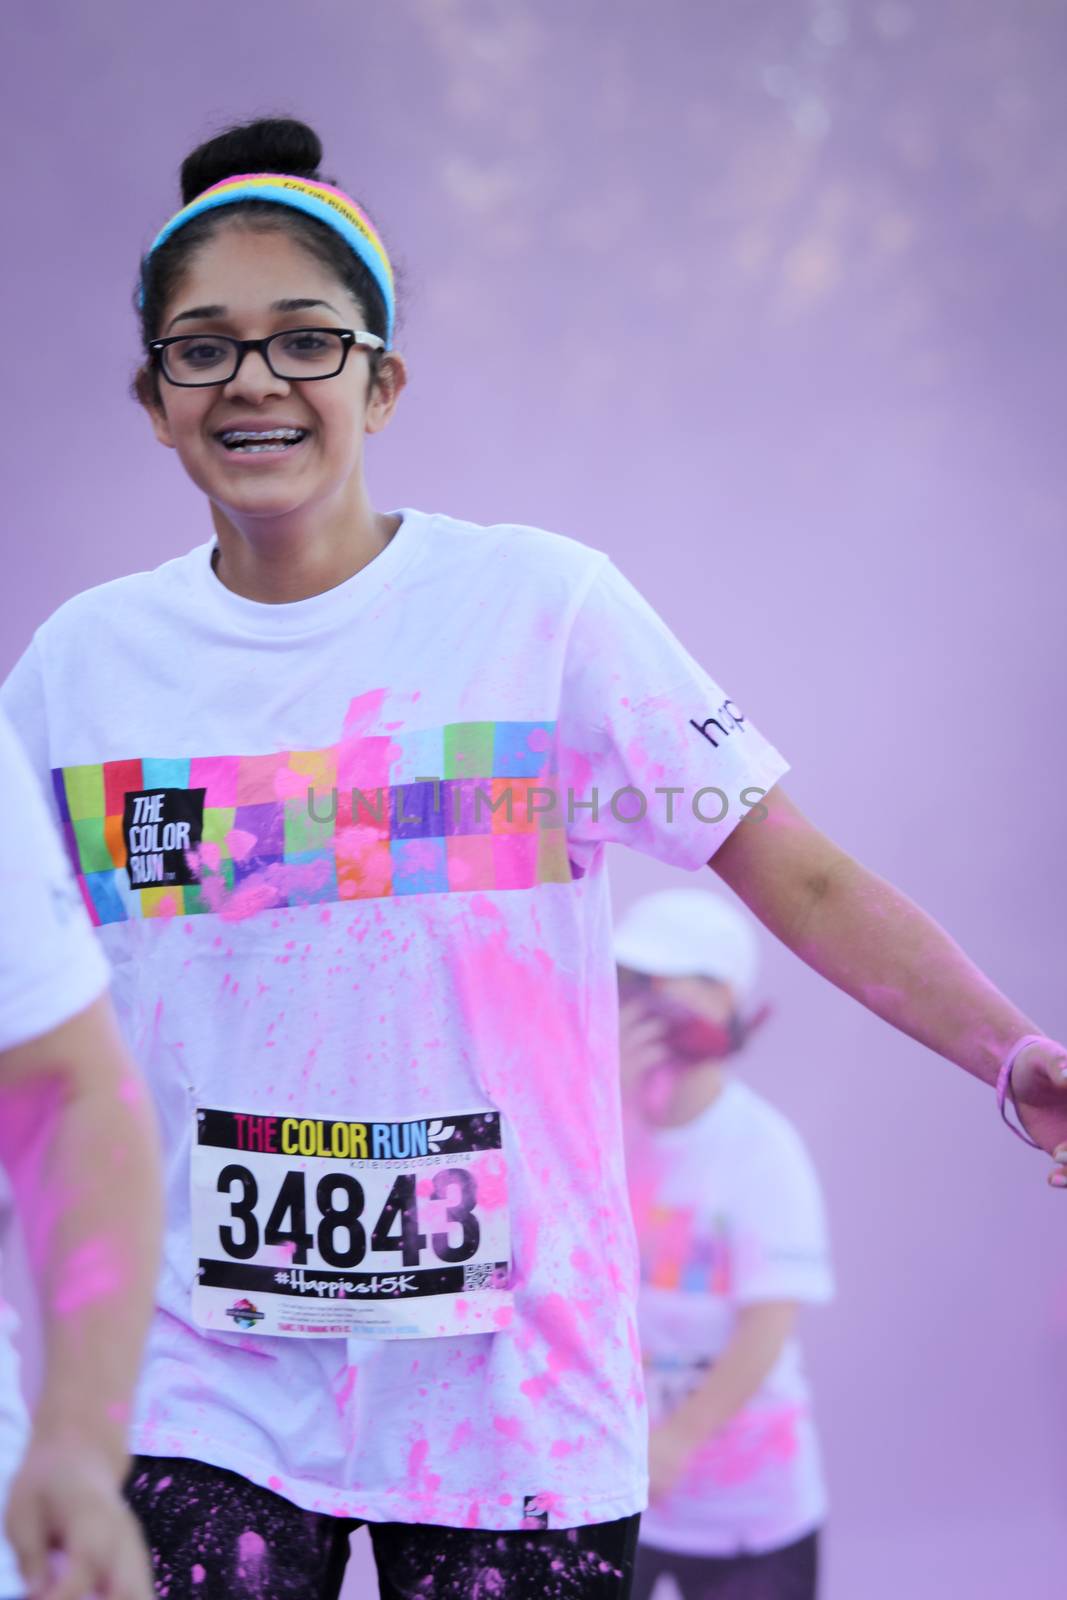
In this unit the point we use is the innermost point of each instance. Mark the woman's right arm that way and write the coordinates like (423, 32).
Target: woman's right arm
(78, 1146)
(78, 1143)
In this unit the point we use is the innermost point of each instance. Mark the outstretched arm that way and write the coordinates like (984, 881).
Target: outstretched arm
(870, 940)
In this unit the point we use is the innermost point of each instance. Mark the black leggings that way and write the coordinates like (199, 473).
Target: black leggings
(215, 1536)
(790, 1573)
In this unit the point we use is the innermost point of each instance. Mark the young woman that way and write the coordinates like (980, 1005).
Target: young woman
(732, 1236)
(337, 785)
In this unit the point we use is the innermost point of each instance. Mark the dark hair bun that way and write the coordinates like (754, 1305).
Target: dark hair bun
(270, 144)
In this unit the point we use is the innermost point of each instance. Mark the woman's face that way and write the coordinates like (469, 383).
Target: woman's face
(705, 998)
(249, 284)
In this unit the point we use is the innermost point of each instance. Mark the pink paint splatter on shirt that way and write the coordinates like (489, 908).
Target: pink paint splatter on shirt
(746, 1446)
(345, 1388)
(423, 1484)
(207, 856)
(461, 1435)
(363, 712)
(255, 895)
(240, 843)
(491, 1175)
(555, 1320)
(642, 766)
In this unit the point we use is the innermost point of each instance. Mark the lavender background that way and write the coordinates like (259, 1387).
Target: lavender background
(766, 300)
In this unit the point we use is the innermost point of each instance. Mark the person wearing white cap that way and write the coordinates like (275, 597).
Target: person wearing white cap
(732, 1239)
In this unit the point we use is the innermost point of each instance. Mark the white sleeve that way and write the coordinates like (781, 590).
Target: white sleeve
(51, 966)
(22, 701)
(674, 762)
(783, 1243)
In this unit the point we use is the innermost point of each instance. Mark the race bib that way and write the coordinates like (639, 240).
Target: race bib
(310, 1227)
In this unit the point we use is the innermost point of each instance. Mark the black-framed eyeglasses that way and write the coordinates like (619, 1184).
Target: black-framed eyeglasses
(297, 355)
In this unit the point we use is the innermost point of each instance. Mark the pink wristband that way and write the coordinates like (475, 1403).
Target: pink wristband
(1004, 1085)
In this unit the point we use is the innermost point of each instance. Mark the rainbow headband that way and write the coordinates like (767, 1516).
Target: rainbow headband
(320, 200)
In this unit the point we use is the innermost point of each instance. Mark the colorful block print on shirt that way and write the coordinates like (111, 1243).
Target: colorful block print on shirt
(683, 1249)
(426, 812)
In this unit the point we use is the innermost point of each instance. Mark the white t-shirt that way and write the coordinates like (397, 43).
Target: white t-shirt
(50, 969)
(728, 1212)
(390, 969)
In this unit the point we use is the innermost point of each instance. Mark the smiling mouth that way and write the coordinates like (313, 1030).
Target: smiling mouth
(240, 442)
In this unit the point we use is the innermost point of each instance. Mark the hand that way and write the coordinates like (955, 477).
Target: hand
(642, 1043)
(72, 1532)
(1039, 1086)
(669, 1453)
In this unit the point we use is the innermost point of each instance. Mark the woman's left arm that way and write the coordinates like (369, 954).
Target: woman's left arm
(870, 940)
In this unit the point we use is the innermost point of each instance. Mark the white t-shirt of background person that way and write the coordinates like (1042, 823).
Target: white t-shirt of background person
(729, 1213)
(414, 957)
(51, 968)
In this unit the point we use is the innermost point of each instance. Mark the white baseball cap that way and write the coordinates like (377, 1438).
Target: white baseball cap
(679, 933)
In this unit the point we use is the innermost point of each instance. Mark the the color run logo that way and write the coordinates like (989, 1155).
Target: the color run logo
(160, 828)
(343, 1141)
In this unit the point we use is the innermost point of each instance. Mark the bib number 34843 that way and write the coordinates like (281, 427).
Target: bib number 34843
(314, 1227)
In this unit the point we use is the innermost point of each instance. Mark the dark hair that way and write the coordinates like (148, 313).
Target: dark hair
(269, 144)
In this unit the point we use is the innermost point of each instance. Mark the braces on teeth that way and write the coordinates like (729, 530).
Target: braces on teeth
(239, 439)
